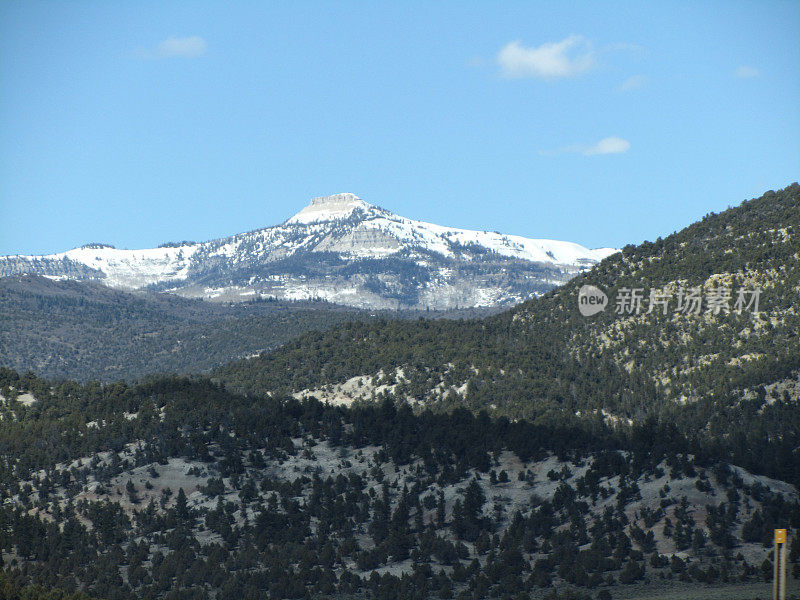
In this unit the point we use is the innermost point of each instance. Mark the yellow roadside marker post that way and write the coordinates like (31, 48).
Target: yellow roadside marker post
(779, 584)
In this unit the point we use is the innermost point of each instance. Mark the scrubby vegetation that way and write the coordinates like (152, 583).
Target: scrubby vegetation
(535, 453)
(728, 377)
(179, 488)
(83, 330)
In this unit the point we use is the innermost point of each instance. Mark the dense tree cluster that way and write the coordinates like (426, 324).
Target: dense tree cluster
(84, 330)
(731, 378)
(230, 487)
(413, 509)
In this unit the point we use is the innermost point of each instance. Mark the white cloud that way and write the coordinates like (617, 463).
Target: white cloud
(571, 56)
(632, 83)
(745, 72)
(609, 145)
(188, 47)
(175, 47)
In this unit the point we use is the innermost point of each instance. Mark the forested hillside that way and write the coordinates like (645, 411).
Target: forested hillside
(728, 377)
(84, 330)
(177, 488)
(535, 453)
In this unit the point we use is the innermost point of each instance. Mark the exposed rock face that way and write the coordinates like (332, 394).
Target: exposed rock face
(339, 248)
(55, 268)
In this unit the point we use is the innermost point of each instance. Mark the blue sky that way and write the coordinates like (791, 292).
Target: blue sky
(600, 123)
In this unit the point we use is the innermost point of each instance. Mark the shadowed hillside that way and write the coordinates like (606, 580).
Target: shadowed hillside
(727, 376)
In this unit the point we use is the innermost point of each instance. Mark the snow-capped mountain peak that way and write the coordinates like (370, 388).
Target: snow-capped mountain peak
(339, 248)
(332, 208)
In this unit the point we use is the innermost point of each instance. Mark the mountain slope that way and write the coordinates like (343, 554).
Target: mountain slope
(176, 488)
(338, 248)
(728, 377)
(629, 479)
(85, 330)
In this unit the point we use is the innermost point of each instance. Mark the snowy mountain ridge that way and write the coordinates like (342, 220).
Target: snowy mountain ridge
(339, 248)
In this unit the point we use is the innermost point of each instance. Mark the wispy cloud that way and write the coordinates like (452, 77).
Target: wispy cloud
(175, 47)
(745, 72)
(569, 57)
(608, 145)
(632, 83)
